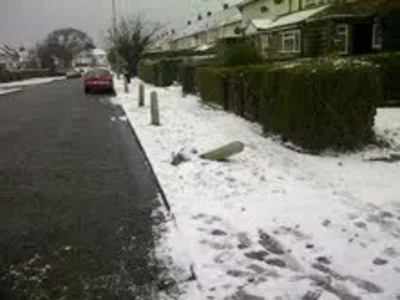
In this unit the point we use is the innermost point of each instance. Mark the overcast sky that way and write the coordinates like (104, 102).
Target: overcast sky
(24, 22)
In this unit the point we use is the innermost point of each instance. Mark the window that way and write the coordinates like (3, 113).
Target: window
(291, 41)
(310, 2)
(264, 9)
(377, 37)
(342, 39)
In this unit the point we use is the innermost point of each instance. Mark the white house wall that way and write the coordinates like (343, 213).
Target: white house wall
(228, 30)
(251, 29)
(254, 10)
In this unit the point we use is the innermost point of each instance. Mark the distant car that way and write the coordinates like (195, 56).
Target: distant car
(73, 74)
(99, 80)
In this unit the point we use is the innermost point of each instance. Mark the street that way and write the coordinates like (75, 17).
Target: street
(76, 198)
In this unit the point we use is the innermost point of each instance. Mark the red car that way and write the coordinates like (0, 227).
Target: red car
(99, 80)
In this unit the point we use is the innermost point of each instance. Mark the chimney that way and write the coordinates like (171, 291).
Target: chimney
(199, 17)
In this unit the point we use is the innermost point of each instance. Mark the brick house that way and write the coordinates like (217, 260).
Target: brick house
(309, 28)
(285, 29)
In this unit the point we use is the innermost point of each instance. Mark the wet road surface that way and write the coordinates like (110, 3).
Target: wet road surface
(76, 198)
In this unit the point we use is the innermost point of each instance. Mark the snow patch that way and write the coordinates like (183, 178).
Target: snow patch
(8, 91)
(272, 221)
(28, 82)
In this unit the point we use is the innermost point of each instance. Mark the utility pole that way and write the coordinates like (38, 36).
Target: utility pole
(114, 17)
(114, 21)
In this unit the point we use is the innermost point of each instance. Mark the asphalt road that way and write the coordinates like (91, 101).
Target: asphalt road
(76, 199)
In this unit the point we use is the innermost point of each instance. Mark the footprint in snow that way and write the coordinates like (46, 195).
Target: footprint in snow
(218, 232)
(216, 246)
(244, 241)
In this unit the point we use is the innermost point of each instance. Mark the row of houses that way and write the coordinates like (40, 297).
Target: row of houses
(286, 28)
(13, 59)
(92, 57)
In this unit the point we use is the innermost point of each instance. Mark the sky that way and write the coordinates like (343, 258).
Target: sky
(25, 22)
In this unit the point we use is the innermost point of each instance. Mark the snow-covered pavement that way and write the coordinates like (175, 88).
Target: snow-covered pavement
(8, 91)
(273, 223)
(28, 82)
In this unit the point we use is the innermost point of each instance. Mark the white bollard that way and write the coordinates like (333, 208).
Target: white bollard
(126, 86)
(155, 115)
(141, 95)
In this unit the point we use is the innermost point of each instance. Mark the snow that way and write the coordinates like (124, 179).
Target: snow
(262, 23)
(388, 121)
(99, 51)
(8, 91)
(296, 209)
(28, 82)
(171, 254)
(204, 47)
(246, 2)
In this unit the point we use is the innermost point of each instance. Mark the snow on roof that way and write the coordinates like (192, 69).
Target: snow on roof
(204, 47)
(294, 18)
(297, 17)
(163, 40)
(217, 20)
(98, 51)
(261, 23)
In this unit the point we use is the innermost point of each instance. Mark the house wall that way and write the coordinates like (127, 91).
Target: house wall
(101, 60)
(207, 37)
(319, 37)
(276, 10)
(274, 49)
(184, 43)
(228, 30)
(253, 11)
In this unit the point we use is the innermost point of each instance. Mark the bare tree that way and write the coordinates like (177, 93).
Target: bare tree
(128, 41)
(64, 45)
(10, 52)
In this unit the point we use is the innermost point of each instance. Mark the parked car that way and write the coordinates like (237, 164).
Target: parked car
(99, 80)
(73, 74)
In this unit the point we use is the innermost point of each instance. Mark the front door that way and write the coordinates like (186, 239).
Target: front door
(362, 38)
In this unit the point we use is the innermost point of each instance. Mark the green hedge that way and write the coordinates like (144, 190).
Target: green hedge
(238, 52)
(187, 73)
(178, 53)
(211, 85)
(148, 71)
(316, 105)
(168, 71)
(187, 78)
(389, 63)
(159, 72)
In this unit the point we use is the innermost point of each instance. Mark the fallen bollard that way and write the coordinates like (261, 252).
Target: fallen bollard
(224, 152)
